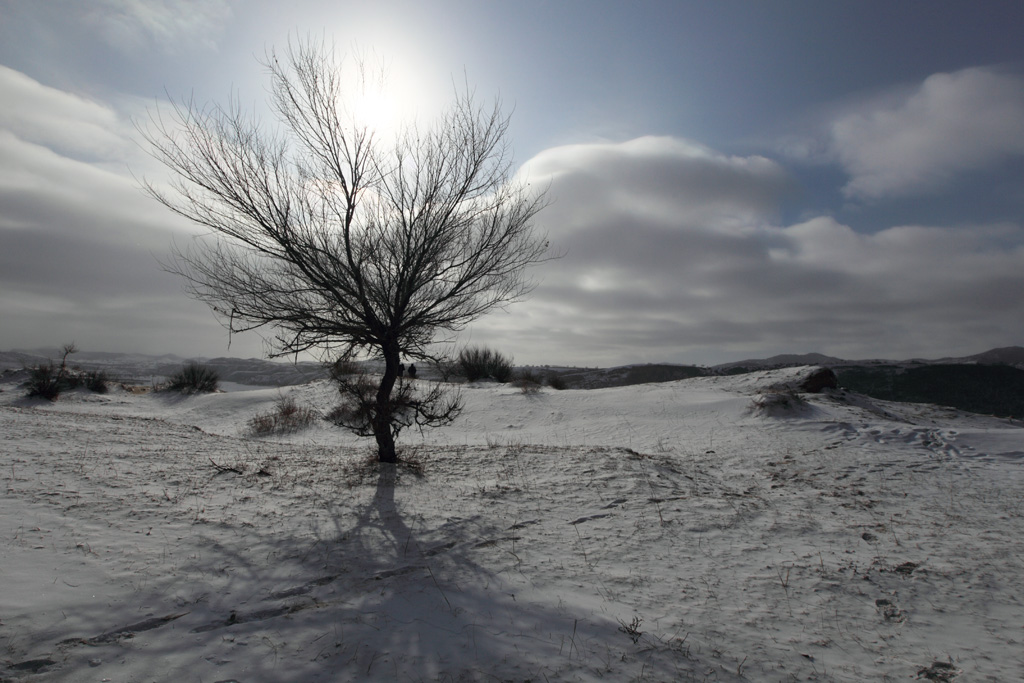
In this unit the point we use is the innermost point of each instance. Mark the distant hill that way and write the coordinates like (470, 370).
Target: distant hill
(140, 368)
(257, 371)
(626, 375)
(780, 361)
(16, 360)
(989, 389)
(991, 382)
(1008, 355)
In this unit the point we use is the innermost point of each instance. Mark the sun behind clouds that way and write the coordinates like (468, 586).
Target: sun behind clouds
(391, 94)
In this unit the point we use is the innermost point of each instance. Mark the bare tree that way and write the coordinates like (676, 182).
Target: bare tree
(341, 243)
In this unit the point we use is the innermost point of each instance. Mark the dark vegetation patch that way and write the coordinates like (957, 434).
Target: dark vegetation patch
(630, 374)
(287, 417)
(476, 363)
(49, 380)
(194, 378)
(986, 389)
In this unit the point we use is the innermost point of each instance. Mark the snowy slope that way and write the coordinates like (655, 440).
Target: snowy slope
(716, 528)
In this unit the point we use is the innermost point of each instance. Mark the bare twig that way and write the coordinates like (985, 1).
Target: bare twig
(224, 468)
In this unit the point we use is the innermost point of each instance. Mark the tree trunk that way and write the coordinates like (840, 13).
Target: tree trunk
(382, 431)
(385, 444)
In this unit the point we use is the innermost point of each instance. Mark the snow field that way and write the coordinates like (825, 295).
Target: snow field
(670, 532)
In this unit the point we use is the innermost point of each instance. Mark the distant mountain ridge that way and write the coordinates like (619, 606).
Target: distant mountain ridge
(1007, 355)
(991, 382)
(627, 375)
(624, 375)
(140, 368)
(782, 360)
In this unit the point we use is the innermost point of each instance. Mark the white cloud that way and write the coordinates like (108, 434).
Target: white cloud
(676, 183)
(65, 165)
(673, 253)
(79, 242)
(174, 25)
(953, 123)
(63, 121)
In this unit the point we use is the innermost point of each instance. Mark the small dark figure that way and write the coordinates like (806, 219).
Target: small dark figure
(412, 371)
(401, 369)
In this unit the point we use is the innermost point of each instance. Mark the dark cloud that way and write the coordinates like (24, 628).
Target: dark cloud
(697, 268)
(175, 25)
(673, 251)
(79, 243)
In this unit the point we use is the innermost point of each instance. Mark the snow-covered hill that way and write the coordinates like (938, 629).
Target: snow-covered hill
(716, 528)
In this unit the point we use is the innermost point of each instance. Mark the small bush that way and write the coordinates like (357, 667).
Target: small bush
(779, 403)
(473, 362)
(528, 382)
(43, 382)
(478, 363)
(557, 382)
(342, 367)
(446, 368)
(194, 378)
(96, 381)
(355, 412)
(286, 417)
(47, 381)
(424, 404)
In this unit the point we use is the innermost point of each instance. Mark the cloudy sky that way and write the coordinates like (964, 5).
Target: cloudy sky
(728, 179)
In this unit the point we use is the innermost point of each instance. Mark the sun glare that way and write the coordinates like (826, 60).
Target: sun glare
(393, 96)
(379, 110)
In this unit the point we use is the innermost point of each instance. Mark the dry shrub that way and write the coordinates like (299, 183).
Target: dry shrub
(96, 381)
(49, 381)
(44, 381)
(779, 403)
(478, 363)
(194, 378)
(287, 417)
(420, 403)
(557, 382)
(528, 382)
(355, 412)
(343, 367)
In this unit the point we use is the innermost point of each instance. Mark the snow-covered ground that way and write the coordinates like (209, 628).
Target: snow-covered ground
(687, 531)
